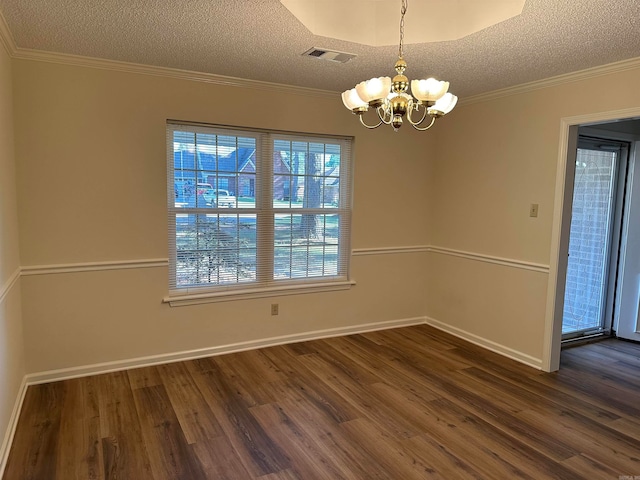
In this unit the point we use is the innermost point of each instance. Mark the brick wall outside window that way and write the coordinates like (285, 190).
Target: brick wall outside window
(586, 272)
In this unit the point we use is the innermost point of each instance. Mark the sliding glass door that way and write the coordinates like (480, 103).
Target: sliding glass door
(591, 242)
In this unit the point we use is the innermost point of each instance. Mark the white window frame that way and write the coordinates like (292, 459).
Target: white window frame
(264, 285)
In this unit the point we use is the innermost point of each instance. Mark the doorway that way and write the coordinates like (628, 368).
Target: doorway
(602, 283)
(624, 126)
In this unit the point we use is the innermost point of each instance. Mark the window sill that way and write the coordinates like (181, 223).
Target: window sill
(262, 292)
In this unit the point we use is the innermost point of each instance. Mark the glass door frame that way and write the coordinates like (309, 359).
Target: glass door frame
(612, 247)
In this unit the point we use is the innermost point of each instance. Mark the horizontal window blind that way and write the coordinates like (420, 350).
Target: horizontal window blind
(256, 208)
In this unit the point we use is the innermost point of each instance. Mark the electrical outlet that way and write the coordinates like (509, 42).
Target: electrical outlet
(274, 309)
(533, 210)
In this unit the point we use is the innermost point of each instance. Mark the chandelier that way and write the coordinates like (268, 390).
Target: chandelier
(392, 102)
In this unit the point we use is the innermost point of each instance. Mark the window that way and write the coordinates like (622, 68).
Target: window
(251, 212)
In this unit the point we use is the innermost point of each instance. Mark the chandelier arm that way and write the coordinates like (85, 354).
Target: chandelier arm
(415, 125)
(424, 115)
(385, 112)
(371, 127)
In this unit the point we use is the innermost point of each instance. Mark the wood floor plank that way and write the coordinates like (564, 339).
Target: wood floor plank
(250, 390)
(79, 455)
(510, 401)
(357, 372)
(325, 432)
(196, 419)
(492, 450)
(615, 375)
(429, 336)
(436, 359)
(601, 356)
(34, 450)
(123, 448)
(597, 471)
(483, 407)
(401, 404)
(282, 475)
(525, 395)
(627, 426)
(144, 377)
(487, 448)
(306, 384)
(624, 346)
(477, 356)
(599, 443)
(403, 379)
(219, 459)
(545, 388)
(605, 354)
(91, 431)
(439, 461)
(260, 455)
(257, 367)
(594, 391)
(169, 454)
(302, 449)
(362, 399)
(393, 457)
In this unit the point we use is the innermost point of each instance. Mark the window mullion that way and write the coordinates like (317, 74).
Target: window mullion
(264, 205)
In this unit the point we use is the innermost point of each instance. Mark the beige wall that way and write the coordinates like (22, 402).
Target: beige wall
(12, 365)
(91, 143)
(493, 159)
(90, 148)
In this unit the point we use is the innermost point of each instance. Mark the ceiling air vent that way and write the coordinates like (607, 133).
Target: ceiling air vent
(331, 55)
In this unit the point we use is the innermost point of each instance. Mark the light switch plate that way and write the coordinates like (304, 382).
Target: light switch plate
(533, 210)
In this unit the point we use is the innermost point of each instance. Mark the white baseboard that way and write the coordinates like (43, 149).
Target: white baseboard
(11, 428)
(488, 344)
(118, 365)
(98, 368)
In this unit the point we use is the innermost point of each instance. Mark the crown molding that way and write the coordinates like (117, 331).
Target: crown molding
(190, 75)
(6, 38)
(176, 73)
(594, 72)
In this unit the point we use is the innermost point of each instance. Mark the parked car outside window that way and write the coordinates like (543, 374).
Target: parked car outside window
(207, 192)
(224, 199)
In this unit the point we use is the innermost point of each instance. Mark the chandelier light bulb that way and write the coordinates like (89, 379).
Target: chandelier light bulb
(428, 90)
(374, 90)
(444, 105)
(352, 101)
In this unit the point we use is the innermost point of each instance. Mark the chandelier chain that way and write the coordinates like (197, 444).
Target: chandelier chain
(403, 10)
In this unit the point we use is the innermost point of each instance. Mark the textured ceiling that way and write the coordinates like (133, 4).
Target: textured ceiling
(262, 40)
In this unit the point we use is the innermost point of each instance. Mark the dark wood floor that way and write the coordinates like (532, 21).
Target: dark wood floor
(410, 403)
